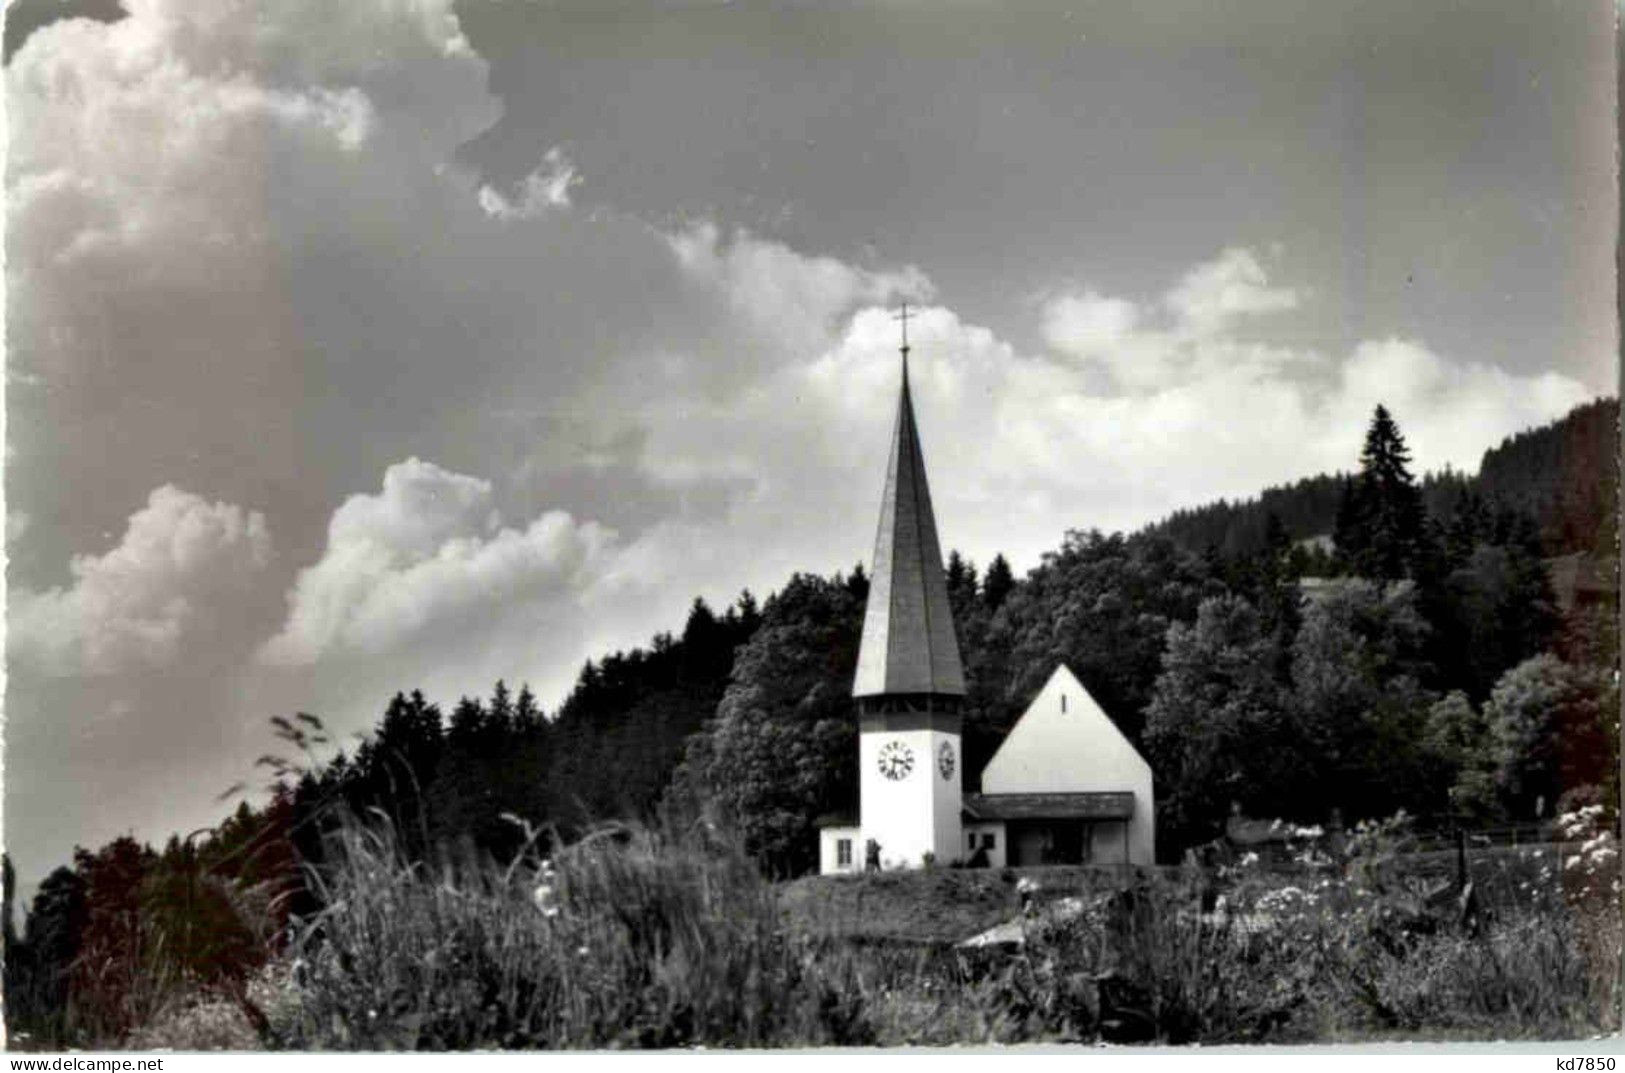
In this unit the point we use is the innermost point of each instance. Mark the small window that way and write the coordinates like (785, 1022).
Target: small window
(1063, 702)
(843, 852)
(987, 841)
(970, 840)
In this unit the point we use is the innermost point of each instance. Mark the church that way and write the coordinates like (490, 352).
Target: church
(1065, 787)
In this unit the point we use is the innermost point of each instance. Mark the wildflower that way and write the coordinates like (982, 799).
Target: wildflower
(1249, 860)
(1569, 863)
(546, 900)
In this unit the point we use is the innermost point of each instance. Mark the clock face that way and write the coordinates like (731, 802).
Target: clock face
(945, 759)
(896, 760)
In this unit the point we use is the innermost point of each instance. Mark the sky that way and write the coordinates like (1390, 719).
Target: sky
(403, 343)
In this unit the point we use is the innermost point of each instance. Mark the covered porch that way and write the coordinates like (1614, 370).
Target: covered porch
(1057, 828)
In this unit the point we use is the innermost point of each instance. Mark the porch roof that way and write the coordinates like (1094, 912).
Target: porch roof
(1110, 805)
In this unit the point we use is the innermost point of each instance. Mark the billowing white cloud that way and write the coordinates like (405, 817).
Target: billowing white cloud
(1025, 445)
(427, 553)
(1144, 351)
(1232, 285)
(178, 575)
(156, 137)
(1449, 410)
(796, 299)
(545, 189)
(1107, 332)
(1090, 324)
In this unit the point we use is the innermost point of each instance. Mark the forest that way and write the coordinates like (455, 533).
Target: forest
(1416, 657)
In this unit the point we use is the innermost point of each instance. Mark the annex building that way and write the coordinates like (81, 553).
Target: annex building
(1065, 787)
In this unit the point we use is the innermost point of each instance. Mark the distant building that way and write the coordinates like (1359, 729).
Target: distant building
(1065, 786)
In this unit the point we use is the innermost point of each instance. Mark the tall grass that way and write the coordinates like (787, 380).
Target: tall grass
(661, 938)
(637, 940)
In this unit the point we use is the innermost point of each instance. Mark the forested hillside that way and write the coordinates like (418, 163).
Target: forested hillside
(1565, 475)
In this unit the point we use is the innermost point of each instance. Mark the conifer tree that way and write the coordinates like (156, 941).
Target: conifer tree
(964, 593)
(998, 582)
(501, 710)
(750, 616)
(527, 715)
(1380, 522)
(467, 724)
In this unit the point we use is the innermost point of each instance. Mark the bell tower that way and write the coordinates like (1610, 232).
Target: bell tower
(910, 686)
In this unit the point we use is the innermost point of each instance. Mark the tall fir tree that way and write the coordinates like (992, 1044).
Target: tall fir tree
(998, 582)
(1381, 522)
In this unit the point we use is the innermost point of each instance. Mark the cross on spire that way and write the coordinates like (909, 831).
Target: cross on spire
(903, 316)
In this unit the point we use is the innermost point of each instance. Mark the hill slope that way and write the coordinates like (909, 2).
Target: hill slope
(1565, 475)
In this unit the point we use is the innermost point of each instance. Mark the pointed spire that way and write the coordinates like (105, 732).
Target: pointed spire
(908, 644)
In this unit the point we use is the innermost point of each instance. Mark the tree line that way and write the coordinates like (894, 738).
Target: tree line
(1563, 475)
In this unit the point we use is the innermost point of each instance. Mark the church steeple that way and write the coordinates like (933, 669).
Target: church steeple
(909, 649)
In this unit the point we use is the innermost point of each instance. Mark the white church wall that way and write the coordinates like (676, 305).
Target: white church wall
(833, 858)
(917, 812)
(1065, 743)
(1109, 841)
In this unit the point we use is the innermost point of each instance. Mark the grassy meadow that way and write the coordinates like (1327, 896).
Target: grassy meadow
(638, 939)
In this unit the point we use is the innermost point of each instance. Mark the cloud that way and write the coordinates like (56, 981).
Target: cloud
(1450, 411)
(1188, 333)
(545, 189)
(1089, 325)
(1232, 285)
(214, 205)
(1107, 333)
(1199, 411)
(160, 130)
(427, 553)
(791, 297)
(178, 576)
(1197, 404)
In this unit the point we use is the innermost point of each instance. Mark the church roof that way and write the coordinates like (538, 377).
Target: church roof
(908, 628)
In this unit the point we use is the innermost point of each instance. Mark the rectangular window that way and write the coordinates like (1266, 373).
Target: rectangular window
(970, 840)
(987, 841)
(843, 852)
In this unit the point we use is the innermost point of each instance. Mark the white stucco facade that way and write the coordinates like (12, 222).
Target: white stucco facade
(915, 809)
(1066, 744)
(840, 850)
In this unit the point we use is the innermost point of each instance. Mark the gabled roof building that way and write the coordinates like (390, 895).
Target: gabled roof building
(1065, 787)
